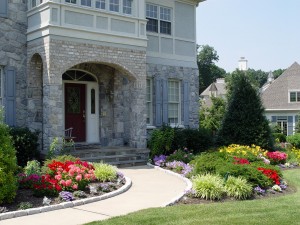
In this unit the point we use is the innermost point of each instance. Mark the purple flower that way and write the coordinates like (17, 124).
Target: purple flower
(160, 160)
(179, 167)
(259, 190)
(66, 196)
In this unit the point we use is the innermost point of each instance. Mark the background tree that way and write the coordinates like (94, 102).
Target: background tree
(211, 117)
(277, 73)
(208, 71)
(244, 121)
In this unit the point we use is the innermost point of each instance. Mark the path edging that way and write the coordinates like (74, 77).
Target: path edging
(64, 205)
(186, 180)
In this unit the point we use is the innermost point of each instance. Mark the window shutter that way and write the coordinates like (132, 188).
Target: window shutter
(186, 102)
(3, 8)
(165, 101)
(296, 118)
(273, 119)
(158, 103)
(290, 125)
(10, 96)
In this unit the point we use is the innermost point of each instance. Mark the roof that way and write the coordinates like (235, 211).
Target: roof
(276, 96)
(219, 87)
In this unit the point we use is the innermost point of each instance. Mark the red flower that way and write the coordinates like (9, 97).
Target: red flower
(240, 160)
(272, 174)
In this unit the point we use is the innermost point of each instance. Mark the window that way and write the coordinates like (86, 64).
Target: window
(173, 102)
(282, 123)
(161, 19)
(149, 101)
(152, 16)
(114, 5)
(127, 6)
(165, 20)
(71, 1)
(100, 4)
(86, 3)
(295, 96)
(93, 101)
(33, 3)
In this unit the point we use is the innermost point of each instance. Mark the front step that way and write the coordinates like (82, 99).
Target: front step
(119, 156)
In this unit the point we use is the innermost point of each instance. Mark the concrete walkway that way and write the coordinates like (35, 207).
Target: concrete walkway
(150, 188)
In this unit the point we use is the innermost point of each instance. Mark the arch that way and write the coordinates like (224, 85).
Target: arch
(79, 75)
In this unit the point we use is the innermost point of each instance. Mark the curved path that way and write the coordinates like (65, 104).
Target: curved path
(150, 188)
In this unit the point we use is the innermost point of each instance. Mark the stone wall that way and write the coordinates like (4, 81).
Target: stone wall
(156, 71)
(13, 52)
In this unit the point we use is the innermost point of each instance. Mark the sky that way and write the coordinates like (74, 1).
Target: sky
(265, 32)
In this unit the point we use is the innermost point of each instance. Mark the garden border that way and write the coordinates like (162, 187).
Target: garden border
(70, 204)
(186, 180)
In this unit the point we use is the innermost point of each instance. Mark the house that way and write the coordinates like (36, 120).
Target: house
(108, 68)
(216, 89)
(281, 99)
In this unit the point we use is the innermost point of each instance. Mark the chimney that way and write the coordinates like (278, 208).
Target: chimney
(243, 64)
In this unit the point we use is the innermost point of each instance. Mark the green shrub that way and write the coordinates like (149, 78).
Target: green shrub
(279, 136)
(25, 205)
(294, 140)
(208, 186)
(8, 165)
(26, 144)
(215, 163)
(105, 172)
(32, 167)
(196, 140)
(180, 155)
(238, 188)
(160, 142)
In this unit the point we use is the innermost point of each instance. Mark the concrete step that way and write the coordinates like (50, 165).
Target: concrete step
(119, 156)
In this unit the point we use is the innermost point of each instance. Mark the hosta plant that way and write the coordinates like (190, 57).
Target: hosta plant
(105, 172)
(208, 186)
(238, 188)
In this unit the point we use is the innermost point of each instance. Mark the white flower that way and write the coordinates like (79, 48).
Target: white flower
(277, 188)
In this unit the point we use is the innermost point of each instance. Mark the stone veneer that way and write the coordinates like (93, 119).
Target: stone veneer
(156, 71)
(127, 123)
(13, 52)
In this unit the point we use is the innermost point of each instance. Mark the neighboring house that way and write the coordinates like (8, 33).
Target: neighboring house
(107, 68)
(281, 99)
(216, 89)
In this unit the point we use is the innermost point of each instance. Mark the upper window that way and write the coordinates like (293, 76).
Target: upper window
(159, 19)
(149, 94)
(127, 6)
(71, 1)
(86, 3)
(295, 96)
(114, 5)
(100, 4)
(173, 102)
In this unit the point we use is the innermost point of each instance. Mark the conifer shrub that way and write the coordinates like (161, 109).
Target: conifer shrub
(8, 165)
(244, 121)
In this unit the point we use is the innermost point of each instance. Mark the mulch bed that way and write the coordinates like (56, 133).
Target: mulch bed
(26, 195)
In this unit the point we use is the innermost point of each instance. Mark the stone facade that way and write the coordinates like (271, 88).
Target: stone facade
(13, 53)
(121, 72)
(183, 74)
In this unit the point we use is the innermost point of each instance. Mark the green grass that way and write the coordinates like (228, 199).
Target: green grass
(278, 210)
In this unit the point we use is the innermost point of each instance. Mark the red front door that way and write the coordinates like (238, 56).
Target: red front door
(75, 110)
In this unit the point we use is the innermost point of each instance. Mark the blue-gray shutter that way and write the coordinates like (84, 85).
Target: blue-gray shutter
(290, 128)
(10, 96)
(165, 101)
(3, 8)
(158, 103)
(186, 103)
(273, 119)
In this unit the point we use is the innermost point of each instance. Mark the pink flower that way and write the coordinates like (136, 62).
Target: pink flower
(63, 183)
(78, 177)
(75, 186)
(58, 177)
(87, 176)
(68, 183)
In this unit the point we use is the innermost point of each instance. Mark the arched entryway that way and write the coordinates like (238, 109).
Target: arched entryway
(81, 105)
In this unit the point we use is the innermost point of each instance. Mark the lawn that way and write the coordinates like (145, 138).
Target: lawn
(279, 210)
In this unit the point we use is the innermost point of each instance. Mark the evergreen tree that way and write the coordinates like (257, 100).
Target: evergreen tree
(244, 121)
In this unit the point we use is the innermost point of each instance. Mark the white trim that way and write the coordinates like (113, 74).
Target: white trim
(150, 101)
(175, 102)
